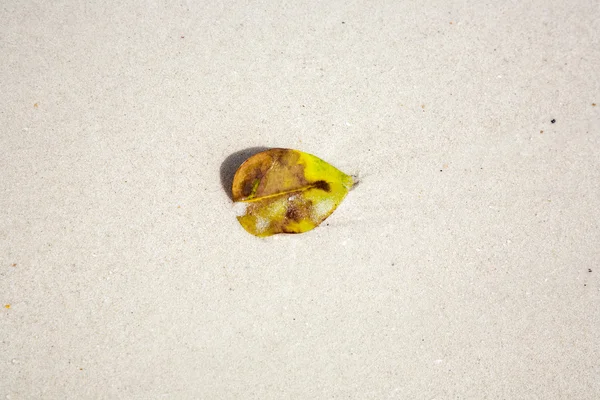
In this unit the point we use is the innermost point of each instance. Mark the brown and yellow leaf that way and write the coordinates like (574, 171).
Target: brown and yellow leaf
(287, 191)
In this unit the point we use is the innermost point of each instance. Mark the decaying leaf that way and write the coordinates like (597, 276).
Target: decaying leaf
(287, 191)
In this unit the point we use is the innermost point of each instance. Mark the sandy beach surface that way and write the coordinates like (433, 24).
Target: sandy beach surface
(465, 265)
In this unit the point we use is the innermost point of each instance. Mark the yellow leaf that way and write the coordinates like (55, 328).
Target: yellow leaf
(287, 191)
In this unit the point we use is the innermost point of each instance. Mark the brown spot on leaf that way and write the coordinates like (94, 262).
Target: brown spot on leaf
(292, 213)
(297, 210)
(322, 185)
(249, 184)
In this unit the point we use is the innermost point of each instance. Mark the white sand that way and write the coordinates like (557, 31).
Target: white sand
(459, 268)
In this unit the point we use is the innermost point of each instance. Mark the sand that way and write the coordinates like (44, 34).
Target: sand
(463, 266)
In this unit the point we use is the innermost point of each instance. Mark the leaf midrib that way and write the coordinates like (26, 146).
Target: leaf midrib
(270, 196)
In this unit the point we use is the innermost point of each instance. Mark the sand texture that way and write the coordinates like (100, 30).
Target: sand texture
(465, 265)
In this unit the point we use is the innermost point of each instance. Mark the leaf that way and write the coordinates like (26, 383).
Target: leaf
(286, 191)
